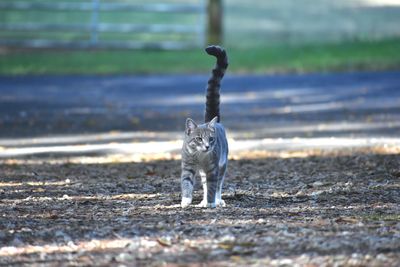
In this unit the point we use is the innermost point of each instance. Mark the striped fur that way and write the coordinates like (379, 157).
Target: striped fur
(205, 147)
(214, 83)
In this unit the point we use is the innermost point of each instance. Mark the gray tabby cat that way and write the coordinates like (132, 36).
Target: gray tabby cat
(205, 147)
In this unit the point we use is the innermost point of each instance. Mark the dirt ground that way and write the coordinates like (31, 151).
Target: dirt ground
(326, 209)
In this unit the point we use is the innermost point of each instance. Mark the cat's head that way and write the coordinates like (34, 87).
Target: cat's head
(201, 138)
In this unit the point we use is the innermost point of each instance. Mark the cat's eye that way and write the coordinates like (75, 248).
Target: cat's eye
(198, 139)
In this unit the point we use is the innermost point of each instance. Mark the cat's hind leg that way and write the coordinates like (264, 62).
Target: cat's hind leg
(212, 181)
(218, 198)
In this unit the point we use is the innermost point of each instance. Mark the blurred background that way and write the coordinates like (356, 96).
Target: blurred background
(262, 36)
(94, 95)
(258, 23)
(298, 68)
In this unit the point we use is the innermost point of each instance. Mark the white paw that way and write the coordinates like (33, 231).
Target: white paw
(202, 204)
(220, 203)
(186, 201)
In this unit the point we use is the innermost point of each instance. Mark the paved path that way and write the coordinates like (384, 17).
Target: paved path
(99, 116)
(357, 104)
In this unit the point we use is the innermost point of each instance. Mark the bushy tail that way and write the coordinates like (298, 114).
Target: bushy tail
(214, 83)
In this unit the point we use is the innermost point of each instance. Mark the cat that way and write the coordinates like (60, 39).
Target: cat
(205, 147)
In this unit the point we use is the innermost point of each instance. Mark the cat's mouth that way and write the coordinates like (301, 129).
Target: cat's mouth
(204, 149)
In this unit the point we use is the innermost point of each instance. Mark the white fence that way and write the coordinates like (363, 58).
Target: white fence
(102, 24)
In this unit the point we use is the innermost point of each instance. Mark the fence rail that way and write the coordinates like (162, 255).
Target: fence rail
(88, 6)
(103, 27)
(97, 32)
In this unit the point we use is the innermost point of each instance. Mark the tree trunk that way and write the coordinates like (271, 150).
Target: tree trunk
(214, 27)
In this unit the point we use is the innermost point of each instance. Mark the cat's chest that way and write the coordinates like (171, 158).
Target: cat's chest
(204, 160)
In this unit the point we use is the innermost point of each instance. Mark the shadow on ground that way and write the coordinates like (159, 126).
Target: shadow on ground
(329, 209)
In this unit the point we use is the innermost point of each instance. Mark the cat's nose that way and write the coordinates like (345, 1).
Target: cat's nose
(207, 146)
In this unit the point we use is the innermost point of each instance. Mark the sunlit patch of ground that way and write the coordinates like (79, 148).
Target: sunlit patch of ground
(297, 201)
(123, 147)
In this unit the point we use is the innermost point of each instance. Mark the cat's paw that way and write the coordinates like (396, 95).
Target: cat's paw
(186, 201)
(202, 204)
(220, 203)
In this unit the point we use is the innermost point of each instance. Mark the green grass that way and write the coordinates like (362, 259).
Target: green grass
(349, 56)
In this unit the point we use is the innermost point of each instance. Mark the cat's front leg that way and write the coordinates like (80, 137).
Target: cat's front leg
(187, 181)
(203, 203)
(209, 181)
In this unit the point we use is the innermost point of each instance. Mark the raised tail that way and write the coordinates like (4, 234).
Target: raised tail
(214, 83)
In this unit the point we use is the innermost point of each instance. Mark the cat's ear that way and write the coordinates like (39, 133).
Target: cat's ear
(212, 123)
(190, 126)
